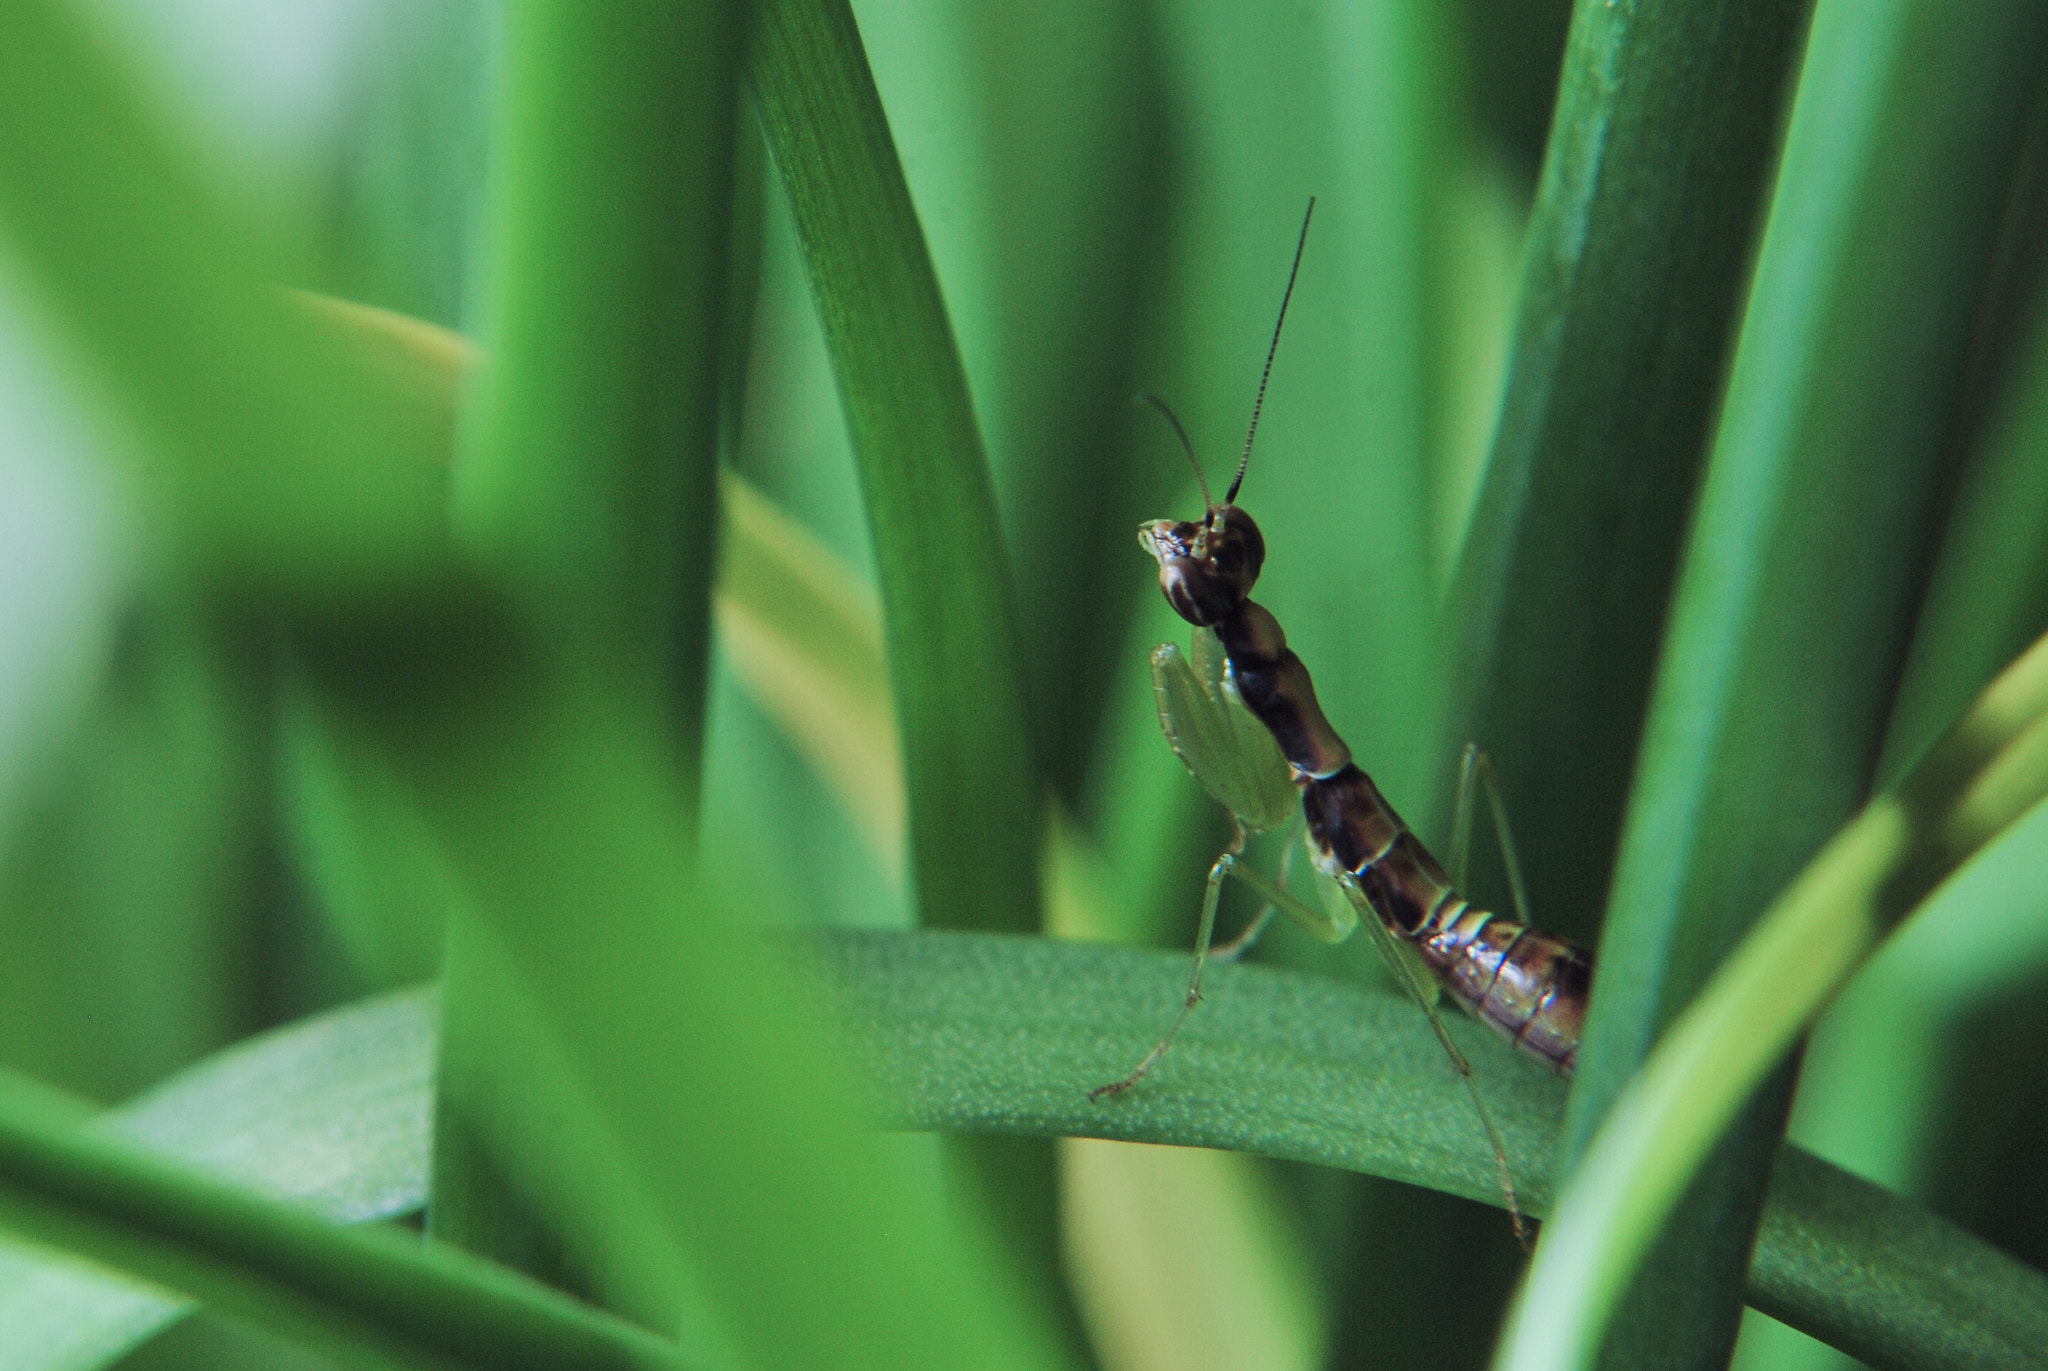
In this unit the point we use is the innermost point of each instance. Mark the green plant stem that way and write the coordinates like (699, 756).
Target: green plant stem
(585, 481)
(973, 799)
(583, 487)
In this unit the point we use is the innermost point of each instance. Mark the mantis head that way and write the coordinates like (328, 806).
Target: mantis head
(1206, 567)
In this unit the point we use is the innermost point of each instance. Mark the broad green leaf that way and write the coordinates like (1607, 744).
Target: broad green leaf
(1359, 1080)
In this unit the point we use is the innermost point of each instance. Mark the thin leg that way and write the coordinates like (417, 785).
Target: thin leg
(1229, 864)
(1424, 995)
(1244, 941)
(1290, 847)
(1478, 762)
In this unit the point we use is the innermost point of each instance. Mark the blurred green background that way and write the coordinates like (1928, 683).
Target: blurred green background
(266, 751)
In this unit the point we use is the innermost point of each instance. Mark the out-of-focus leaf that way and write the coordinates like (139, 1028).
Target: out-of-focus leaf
(279, 462)
(582, 488)
(332, 1113)
(806, 639)
(127, 898)
(1188, 1258)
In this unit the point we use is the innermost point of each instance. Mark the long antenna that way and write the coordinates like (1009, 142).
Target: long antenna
(1186, 446)
(1267, 374)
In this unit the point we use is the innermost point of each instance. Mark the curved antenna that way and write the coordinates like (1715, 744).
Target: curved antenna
(1266, 375)
(1153, 400)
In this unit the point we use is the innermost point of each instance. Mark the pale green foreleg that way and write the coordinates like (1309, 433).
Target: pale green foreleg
(1230, 864)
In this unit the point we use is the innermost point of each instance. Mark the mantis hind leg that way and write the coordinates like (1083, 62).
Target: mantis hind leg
(1424, 994)
(1475, 770)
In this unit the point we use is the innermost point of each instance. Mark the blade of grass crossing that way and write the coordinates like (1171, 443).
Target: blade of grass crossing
(1794, 604)
(373, 1295)
(1983, 777)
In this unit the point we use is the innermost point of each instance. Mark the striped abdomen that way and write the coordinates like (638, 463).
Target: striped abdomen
(1524, 983)
(1528, 985)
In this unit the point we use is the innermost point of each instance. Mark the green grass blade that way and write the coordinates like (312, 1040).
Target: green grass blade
(361, 1292)
(1822, 406)
(583, 483)
(1633, 272)
(1052, 238)
(1942, 1300)
(1981, 779)
(973, 799)
(1793, 611)
(282, 462)
(583, 487)
(332, 1112)
(1988, 594)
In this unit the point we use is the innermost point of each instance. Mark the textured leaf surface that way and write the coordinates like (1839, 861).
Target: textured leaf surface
(1005, 1035)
